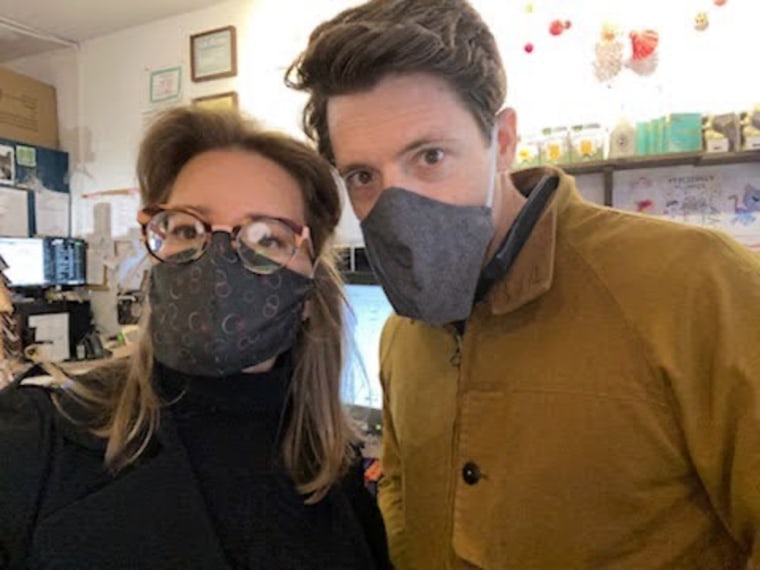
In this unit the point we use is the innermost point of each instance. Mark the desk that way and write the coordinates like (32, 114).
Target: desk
(83, 366)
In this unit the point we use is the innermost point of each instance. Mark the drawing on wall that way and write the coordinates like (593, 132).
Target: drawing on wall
(7, 165)
(726, 199)
(750, 204)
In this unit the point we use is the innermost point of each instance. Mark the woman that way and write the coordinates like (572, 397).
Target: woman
(222, 443)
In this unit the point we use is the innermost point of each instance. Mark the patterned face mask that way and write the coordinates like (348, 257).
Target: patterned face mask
(213, 317)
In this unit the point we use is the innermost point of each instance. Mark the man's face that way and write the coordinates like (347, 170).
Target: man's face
(412, 131)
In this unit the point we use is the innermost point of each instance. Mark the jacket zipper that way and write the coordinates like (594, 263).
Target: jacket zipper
(456, 361)
(456, 357)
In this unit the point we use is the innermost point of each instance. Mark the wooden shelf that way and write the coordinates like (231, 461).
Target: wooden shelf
(664, 160)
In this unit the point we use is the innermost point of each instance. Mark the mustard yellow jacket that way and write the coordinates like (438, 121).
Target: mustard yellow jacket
(602, 409)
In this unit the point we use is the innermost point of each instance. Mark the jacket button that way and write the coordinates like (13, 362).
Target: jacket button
(471, 473)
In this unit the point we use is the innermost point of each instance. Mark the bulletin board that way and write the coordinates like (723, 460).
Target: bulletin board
(34, 191)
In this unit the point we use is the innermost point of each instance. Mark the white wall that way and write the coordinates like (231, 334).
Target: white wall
(103, 87)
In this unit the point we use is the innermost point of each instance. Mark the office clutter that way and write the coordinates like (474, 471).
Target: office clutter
(667, 134)
(9, 341)
(28, 110)
(34, 190)
(119, 269)
(47, 314)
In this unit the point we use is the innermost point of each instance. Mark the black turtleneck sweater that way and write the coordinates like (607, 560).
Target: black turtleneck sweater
(231, 428)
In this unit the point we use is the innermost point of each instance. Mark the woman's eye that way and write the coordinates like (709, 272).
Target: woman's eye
(185, 232)
(271, 242)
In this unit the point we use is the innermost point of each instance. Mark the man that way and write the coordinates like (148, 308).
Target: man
(566, 386)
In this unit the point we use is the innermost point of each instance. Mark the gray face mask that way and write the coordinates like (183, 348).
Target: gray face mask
(427, 254)
(213, 317)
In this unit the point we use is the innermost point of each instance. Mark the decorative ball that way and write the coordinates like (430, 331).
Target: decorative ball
(528, 47)
(529, 7)
(556, 27)
(720, 2)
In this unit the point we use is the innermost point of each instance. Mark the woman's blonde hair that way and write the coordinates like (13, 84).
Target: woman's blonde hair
(124, 407)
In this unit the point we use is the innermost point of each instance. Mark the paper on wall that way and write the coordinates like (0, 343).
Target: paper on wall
(99, 256)
(123, 214)
(52, 213)
(53, 330)
(14, 213)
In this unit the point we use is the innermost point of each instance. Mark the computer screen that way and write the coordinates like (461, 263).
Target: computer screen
(369, 309)
(65, 261)
(43, 262)
(25, 258)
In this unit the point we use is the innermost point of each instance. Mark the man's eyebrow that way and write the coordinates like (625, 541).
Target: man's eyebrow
(415, 144)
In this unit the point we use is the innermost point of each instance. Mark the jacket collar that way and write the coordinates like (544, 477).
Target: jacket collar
(532, 273)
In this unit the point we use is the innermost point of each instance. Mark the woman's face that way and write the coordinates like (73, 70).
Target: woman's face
(227, 186)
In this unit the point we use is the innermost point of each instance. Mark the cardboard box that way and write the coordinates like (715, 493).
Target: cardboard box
(587, 143)
(528, 153)
(683, 132)
(750, 125)
(28, 110)
(555, 146)
(722, 131)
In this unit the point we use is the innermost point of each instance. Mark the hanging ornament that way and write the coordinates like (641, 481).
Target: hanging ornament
(643, 67)
(608, 59)
(701, 22)
(528, 47)
(720, 2)
(643, 44)
(556, 27)
(609, 32)
(529, 7)
(644, 58)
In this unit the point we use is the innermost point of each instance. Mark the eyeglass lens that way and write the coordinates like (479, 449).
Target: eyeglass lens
(264, 245)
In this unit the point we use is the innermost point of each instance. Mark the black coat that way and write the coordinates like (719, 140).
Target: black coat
(60, 509)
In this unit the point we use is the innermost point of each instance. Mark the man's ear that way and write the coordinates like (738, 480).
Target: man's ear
(506, 138)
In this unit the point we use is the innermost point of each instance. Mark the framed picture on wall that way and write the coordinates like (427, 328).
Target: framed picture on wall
(165, 84)
(7, 165)
(227, 100)
(213, 54)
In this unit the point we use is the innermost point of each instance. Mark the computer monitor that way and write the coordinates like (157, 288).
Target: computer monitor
(65, 261)
(44, 262)
(369, 309)
(25, 258)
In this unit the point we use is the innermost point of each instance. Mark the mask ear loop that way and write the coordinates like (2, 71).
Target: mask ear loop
(493, 159)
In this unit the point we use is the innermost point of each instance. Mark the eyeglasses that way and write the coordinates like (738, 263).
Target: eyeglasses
(180, 235)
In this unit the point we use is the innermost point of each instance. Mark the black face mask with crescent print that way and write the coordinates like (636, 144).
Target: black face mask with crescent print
(214, 317)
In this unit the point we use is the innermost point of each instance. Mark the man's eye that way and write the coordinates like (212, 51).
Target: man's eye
(433, 156)
(360, 178)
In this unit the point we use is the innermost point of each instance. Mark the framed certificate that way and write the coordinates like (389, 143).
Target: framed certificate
(165, 84)
(213, 54)
(227, 100)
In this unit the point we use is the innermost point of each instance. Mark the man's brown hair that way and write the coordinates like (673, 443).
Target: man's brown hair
(360, 46)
